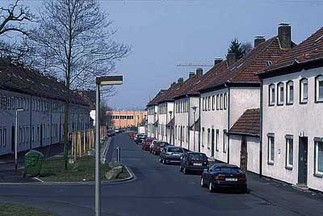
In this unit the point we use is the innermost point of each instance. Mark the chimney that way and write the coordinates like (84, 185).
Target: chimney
(284, 35)
(217, 61)
(191, 74)
(180, 80)
(199, 72)
(172, 84)
(258, 40)
(231, 58)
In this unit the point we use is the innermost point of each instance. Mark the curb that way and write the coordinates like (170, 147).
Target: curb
(131, 178)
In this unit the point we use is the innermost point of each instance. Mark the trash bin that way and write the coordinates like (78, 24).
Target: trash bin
(33, 162)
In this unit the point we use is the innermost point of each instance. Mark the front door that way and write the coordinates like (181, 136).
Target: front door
(243, 154)
(302, 161)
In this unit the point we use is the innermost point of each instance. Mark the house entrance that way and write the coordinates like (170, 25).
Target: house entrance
(243, 154)
(302, 160)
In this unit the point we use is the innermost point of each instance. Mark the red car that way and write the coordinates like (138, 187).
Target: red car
(146, 144)
(158, 147)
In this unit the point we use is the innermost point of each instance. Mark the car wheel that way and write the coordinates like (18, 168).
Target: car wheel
(211, 188)
(202, 183)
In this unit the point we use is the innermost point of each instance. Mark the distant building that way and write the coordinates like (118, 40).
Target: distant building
(123, 119)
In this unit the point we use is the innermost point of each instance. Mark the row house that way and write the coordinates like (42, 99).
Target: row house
(291, 106)
(233, 89)
(152, 110)
(32, 104)
(186, 112)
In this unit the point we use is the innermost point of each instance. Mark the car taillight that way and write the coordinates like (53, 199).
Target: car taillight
(242, 177)
(219, 177)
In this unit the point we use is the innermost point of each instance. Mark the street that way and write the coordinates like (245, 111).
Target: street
(161, 190)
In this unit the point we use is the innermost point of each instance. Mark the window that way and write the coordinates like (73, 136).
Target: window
(225, 99)
(203, 136)
(290, 92)
(213, 102)
(217, 140)
(217, 102)
(319, 88)
(203, 103)
(271, 94)
(271, 148)
(224, 141)
(289, 151)
(209, 103)
(221, 101)
(318, 155)
(4, 136)
(208, 138)
(303, 90)
(280, 93)
(1, 141)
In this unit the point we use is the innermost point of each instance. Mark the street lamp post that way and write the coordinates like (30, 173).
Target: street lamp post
(100, 81)
(194, 111)
(16, 138)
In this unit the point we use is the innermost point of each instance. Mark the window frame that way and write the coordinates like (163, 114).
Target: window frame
(289, 87)
(225, 99)
(303, 100)
(270, 150)
(271, 94)
(318, 79)
(289, 138)
(213, 102)
(217, 140)
(280, 90)
(317, 172)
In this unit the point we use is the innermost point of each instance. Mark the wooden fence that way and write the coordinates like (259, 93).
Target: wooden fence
(84, 141)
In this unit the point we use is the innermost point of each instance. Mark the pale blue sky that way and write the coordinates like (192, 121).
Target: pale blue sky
(165, 33)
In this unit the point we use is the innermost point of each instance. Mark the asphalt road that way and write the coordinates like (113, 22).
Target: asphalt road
(161, 190)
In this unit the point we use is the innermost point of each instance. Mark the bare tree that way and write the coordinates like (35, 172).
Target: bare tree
(74, 40)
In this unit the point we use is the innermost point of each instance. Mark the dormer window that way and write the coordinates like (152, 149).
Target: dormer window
(271, 95)
(303, 91)
(319, 88)
(280, 93)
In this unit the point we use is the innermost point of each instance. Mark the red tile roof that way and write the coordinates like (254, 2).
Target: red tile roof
(27, 81)
(156, 98)
(248, 123)
(309, 50)
(185, 88)
(168, 95)
(244, 70)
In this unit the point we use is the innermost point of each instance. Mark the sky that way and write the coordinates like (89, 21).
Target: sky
(164, 34)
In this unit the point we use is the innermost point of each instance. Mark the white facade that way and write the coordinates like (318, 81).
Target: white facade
(253, 148)
(184, 119)
(220, 109)
(163, 119)
(299, 120)
(151, 118)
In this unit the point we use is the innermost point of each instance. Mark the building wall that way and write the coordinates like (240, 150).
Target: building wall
(150, 121)
(40, 123)
(123, 119)
(241, 99)
(297, 120)
(181, 122)
(214, 117)
(253, 147)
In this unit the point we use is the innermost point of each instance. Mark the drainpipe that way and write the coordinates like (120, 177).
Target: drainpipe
(261, 121)
(199, 139)
(228, 108)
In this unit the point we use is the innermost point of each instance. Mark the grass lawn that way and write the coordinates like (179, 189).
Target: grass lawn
(82, 170)
(7, 209)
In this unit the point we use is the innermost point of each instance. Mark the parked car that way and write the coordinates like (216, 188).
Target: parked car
(171, 154)
(225, 176)
(140, 138)
(193, 161)
(146, 144)
(158, 146)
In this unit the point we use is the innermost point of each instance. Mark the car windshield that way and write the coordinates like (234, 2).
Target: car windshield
(175, 149)
(233, 170)
(197, 156)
